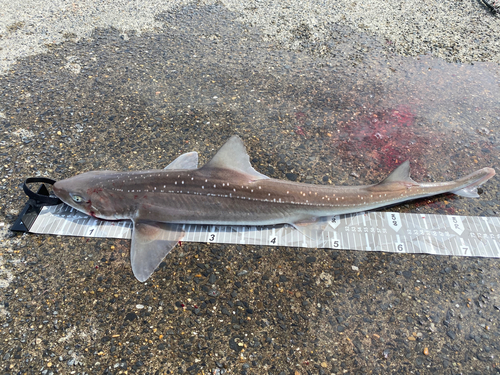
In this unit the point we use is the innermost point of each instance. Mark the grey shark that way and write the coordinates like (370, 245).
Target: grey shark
(228, 191)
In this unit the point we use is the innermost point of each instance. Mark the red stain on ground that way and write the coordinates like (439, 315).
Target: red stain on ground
(300, 117)
(385, 138)
(300, 131)
(436, 205)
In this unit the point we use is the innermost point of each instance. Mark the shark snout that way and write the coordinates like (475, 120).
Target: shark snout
(59, 191)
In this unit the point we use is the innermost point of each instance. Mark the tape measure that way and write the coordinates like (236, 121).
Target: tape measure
(367, 231)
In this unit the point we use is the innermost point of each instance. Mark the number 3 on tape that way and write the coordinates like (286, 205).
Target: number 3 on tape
(211, 237)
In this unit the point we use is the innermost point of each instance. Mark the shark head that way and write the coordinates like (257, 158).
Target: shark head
(85, 193)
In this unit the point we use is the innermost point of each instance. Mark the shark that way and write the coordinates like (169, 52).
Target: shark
(229, 191)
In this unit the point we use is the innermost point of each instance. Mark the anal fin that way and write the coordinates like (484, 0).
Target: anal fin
(151, 242)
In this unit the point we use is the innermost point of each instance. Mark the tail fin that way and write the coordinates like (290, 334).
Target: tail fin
(471, 182)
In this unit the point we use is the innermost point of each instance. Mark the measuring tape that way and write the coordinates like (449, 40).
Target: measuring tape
(368, 231)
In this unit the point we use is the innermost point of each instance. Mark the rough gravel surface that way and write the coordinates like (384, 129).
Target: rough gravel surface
(321, 92)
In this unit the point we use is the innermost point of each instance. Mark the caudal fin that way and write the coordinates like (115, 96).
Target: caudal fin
(470, 183)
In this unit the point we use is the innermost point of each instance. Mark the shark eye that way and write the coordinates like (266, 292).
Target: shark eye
(77, 198)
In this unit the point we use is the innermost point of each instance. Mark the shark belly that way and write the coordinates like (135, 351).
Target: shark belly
(197, 209)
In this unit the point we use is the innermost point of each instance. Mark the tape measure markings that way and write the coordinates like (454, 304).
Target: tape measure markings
(374, 231)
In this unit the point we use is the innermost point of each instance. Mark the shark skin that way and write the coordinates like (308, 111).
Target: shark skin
(228, 191)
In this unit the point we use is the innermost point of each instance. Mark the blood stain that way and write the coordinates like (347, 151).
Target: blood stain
(384, 139)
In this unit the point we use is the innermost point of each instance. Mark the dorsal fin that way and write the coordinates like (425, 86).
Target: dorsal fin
(400, 174)
(233, 156)
(188, 160)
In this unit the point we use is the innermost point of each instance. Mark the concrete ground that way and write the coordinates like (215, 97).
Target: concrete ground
(321, 92)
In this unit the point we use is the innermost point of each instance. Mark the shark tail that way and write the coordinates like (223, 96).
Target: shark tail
(468, 185)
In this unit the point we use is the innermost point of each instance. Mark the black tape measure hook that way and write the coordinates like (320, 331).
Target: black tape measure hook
(35, 203)
(41, 197)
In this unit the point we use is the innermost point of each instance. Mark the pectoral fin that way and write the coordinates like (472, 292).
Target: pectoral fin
(151, 242)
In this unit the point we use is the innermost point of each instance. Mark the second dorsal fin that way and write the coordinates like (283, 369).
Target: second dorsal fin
(400, 174)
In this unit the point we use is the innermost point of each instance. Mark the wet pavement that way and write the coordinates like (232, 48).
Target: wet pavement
(340, 107)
